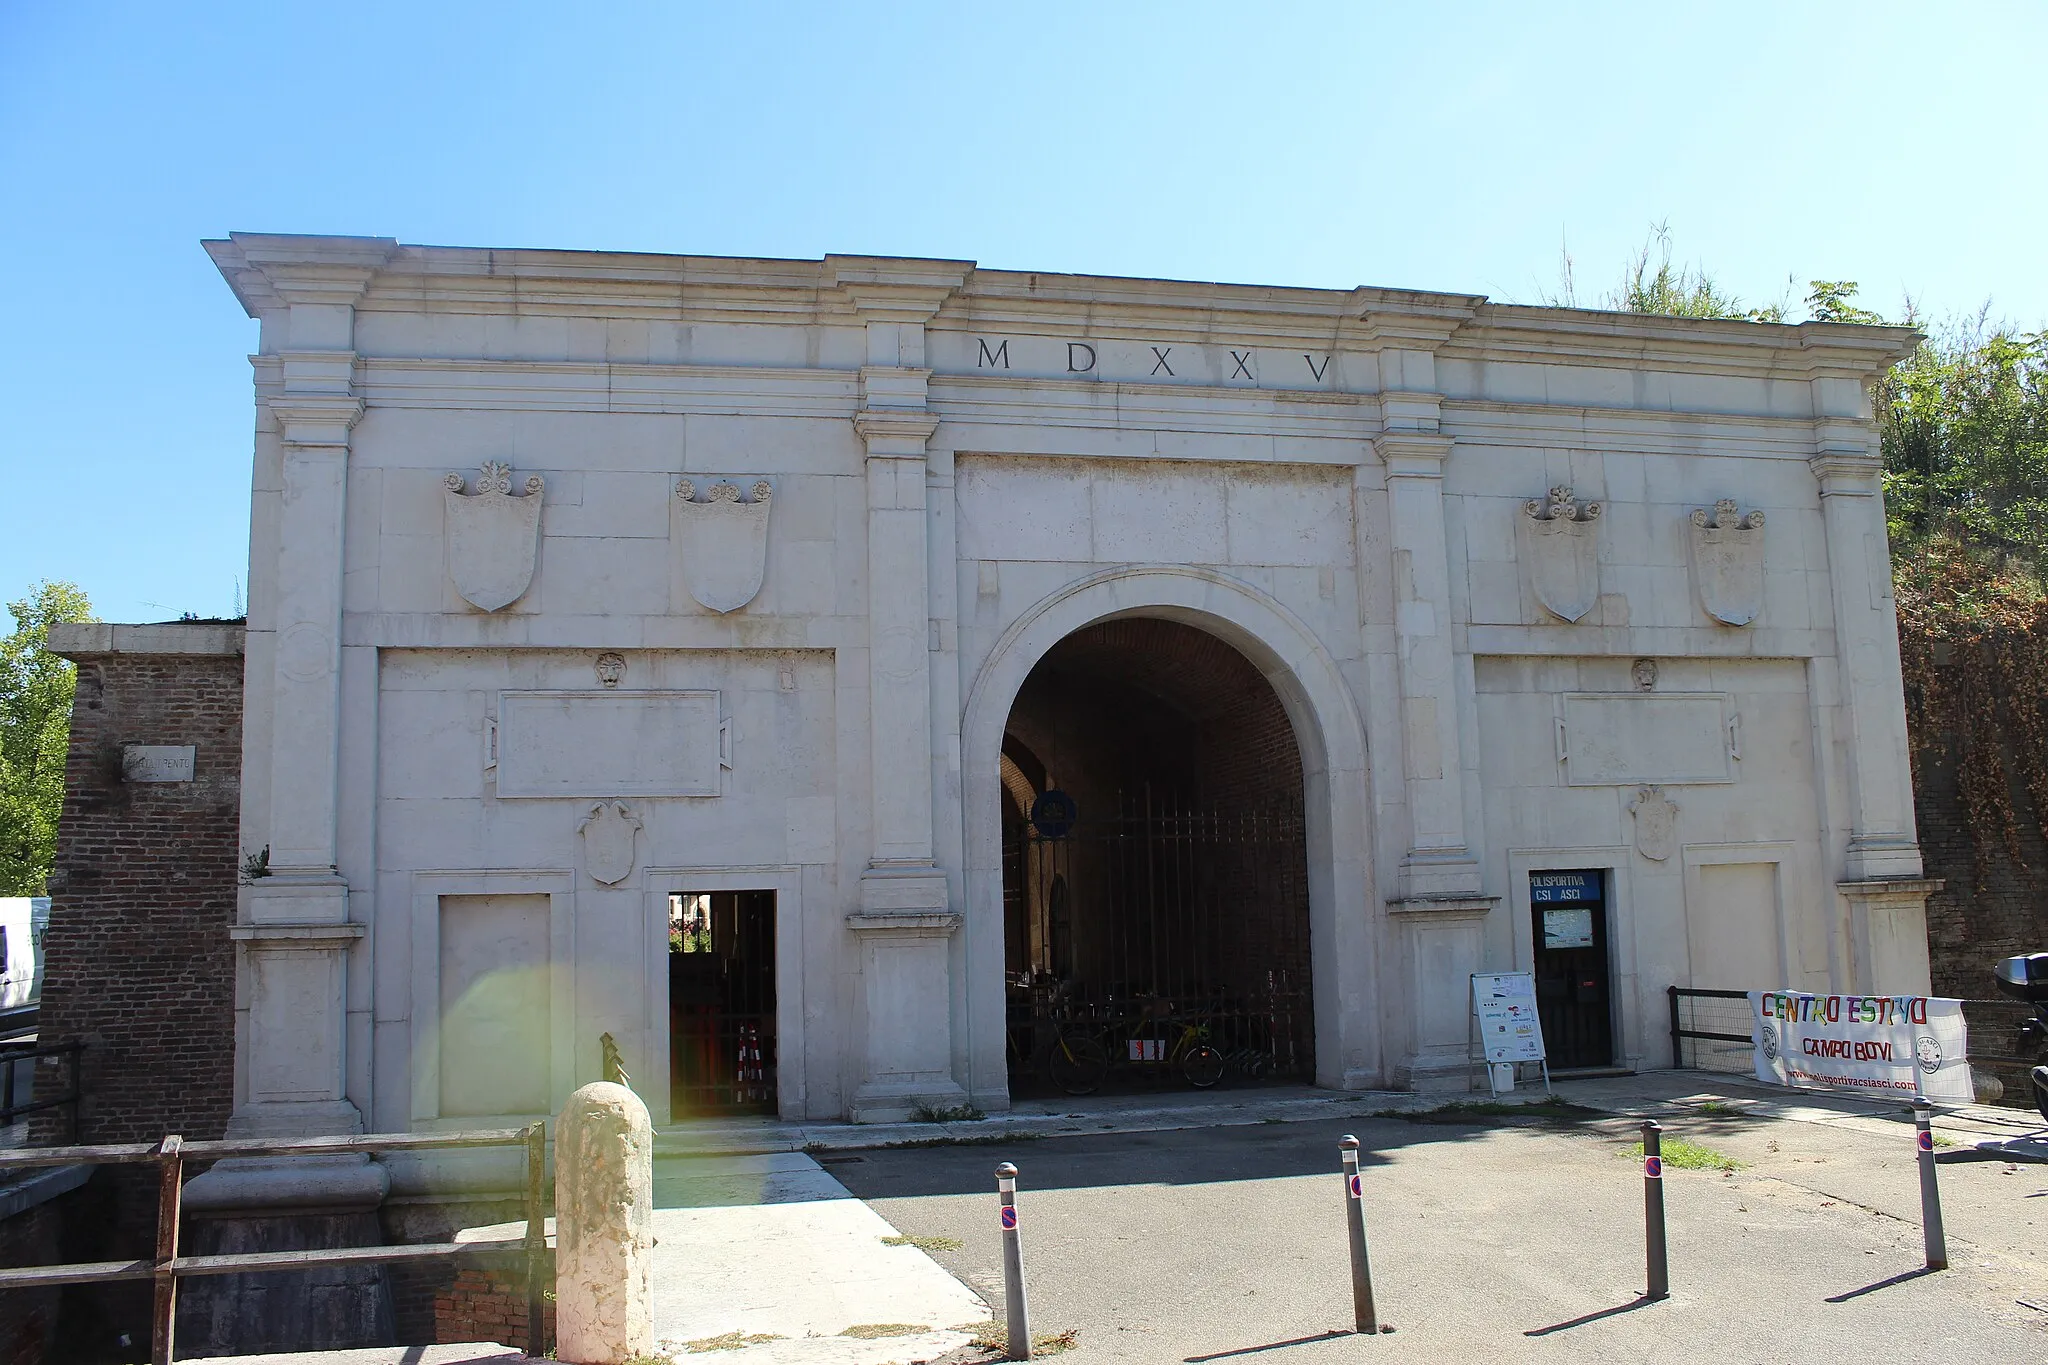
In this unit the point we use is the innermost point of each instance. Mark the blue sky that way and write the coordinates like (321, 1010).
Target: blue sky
(1451, 147)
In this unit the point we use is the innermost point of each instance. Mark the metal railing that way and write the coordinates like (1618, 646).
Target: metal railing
(1716, 1024)
(168, 1267)
(10, 1111)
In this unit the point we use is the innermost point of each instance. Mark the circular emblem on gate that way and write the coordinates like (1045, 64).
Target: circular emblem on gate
(1926, 1141)
(1053, 814)
(1928, 1052)
(1009, 1218)
(1653, 1168)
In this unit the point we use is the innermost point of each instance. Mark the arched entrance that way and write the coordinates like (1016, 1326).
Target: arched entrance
(1314, 697)
(1155, 868)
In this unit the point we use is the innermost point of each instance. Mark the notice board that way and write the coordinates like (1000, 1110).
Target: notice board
(1505, 1003)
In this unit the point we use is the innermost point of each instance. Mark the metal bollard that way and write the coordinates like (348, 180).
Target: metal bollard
(1365, 1315)
(1013, 1267)
(1653, 1210)
(1930, 1193)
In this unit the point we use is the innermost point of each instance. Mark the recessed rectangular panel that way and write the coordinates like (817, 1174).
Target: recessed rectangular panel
(599, 744)
(494, 1005)
(1618, 738)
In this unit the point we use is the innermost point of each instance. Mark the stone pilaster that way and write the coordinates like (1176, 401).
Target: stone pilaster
(1439, 861)
(905, 922)
(295, 939)
(1871, 697)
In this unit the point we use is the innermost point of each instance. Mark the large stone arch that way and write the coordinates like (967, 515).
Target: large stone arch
(1337, 811)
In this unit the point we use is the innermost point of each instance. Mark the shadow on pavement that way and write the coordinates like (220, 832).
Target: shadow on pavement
(1902, 1277)
(1262, 1151)
(1268, 1346)
(1584, 1318)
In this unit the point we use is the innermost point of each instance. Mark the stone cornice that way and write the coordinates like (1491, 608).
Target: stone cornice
(100, 639)
(958, 296)
(266, 270)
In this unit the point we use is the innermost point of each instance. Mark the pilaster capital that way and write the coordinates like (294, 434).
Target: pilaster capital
(315, 419)
(1412, 455)
(1846, 468)
(895, 433)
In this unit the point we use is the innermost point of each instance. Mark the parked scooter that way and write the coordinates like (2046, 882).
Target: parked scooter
(2026, 978)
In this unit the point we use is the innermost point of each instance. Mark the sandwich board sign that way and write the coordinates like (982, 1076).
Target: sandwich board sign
(1510, 1033)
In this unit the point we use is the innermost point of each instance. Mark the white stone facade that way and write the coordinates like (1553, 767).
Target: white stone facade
(576, 578)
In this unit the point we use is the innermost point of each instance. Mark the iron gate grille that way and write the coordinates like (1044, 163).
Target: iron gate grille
(1136, 928)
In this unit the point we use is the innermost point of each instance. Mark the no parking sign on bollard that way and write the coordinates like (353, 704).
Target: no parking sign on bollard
(1017, 1310)
(1364, 1313)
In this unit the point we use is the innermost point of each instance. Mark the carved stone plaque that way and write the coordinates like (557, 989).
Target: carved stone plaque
(602, 744)
(1620, 739)
(724, 542)
(158, 762)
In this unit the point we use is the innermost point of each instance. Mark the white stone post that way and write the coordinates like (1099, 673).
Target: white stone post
(604, 1227)
(905, 921)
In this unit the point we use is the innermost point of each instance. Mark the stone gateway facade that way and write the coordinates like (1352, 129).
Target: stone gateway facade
(829, 686)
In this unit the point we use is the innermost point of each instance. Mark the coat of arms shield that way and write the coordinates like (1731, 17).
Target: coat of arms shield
(1728, 562)
(608, 828)
(1559, 541)
(492, 536)
(725, 543)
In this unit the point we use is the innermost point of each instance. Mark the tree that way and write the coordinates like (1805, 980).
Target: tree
(35, 731)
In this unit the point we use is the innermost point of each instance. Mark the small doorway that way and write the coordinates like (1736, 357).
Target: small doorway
(1572, 996)
(721, 1002)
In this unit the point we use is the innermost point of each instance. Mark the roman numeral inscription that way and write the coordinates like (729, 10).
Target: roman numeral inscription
(1118, 361)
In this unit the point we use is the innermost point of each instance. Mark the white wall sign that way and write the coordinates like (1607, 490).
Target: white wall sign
(158, 762)
(1896, 1046)
(1508, 1027)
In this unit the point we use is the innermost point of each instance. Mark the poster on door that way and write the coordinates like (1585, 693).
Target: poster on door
(1505, 1003)
(1895, 1046)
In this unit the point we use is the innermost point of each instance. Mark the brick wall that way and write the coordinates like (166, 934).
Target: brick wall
(1993, 906)
(138, 962)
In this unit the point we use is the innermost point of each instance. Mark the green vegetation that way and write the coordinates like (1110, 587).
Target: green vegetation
(958, 1113)
(730, 1341)
(1681, 1154)
(35, 731)
(994, 1336)
(874, 1331)
(924, 1244)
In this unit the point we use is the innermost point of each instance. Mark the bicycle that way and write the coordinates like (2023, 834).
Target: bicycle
(1200, 1064)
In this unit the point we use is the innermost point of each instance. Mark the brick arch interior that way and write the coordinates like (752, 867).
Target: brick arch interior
(1145, 722)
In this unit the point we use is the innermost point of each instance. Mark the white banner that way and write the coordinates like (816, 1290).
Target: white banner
(1508, 1027)
(1896, 1046)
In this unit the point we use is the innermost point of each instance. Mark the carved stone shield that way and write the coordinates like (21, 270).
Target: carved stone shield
(1728, 562)
(1561, 553)
(725, 543)
(608, 828)
(492, 536)
(1656, 823)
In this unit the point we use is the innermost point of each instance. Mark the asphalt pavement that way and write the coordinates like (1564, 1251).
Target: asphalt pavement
(1492, 1238)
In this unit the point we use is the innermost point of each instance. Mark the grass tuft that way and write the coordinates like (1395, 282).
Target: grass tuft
(923, 1243)
(955, 1113)
(731, 1341)
(873, 1331)
(1688, 1156)
(995, 1336)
